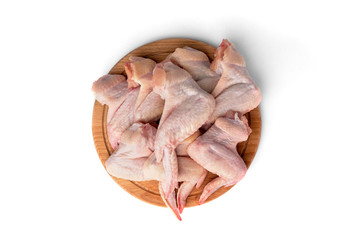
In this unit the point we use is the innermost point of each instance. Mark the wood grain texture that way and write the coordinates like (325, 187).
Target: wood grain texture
(148, 190)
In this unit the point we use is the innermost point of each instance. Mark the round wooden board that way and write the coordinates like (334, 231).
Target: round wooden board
(148, 191)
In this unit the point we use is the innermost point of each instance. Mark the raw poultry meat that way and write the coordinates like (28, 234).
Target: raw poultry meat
(198, 65)
(150, 109)
(230, 65)
(145, 169)
(186, 109)
(187, 186)
(122, 118)
(137, 141)
(130, 161)
(139, 73)
(215, 150)
(191, 175)
(174, 151)
(235, 90)
(135, 146)
(113, 91)
(181, 149)
(149, 105)
(110, 90)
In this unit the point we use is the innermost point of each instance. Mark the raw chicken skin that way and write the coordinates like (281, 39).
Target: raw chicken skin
(137, 141)
(181, 149)
(186, 109)
(186, 187)
(112, 91)
(144, 169)
(198, 65)
(151, 108)
(149, 105)
(235, 90)
(216, 151)
(123, 118)
(130, 161)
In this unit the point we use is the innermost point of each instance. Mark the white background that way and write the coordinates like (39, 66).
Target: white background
(304, 181)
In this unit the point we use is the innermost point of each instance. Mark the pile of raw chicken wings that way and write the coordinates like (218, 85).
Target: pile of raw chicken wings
(176, 120)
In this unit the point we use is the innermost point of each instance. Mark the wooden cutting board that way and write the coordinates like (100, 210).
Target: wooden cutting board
(148, 191)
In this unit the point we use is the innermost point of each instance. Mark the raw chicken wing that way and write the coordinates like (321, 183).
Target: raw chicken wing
(235, 90)
(186, 109)
(216, 151)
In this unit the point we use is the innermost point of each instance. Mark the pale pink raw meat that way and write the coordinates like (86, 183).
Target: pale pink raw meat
(149, 105)
(123, 118)
(181, 149)
(198, 65)
(130, 161)
(186, 187)
(215, 150)
(112, 91)
(137, 141)
(186, 109)
(144, 169)
(235, 90)
(135, 146)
